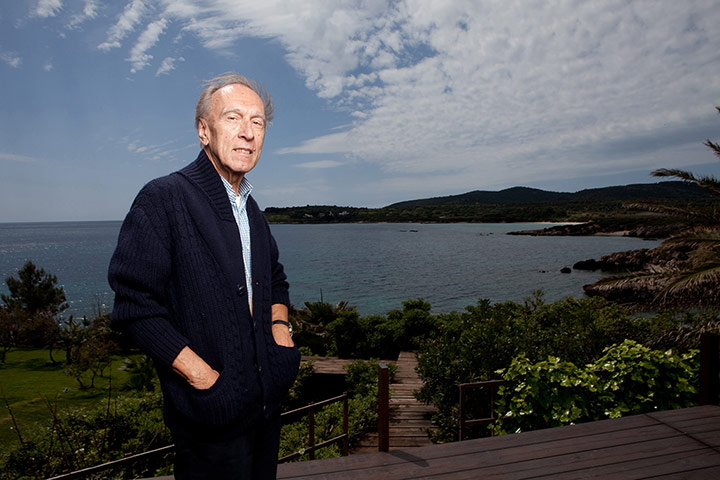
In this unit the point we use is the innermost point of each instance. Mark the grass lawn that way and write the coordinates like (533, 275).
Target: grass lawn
(29, 380)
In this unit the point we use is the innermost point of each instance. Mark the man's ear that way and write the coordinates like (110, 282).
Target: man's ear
(203, 132)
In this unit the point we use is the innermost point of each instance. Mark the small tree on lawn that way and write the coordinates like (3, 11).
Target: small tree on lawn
(37, 301)
(89, 345)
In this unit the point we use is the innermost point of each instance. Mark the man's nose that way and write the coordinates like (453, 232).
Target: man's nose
(246, 131)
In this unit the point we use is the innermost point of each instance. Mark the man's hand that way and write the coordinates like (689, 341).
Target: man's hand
(194, 369)
(280, 332)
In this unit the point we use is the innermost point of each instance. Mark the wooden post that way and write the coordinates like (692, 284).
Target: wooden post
(383, 408)
(709, 368)
(311, 433)
(346, 431)
(462, 412)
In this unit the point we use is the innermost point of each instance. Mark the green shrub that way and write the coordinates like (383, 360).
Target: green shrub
(79, 438)
(636, 379)
(471, 346)
(628, 379)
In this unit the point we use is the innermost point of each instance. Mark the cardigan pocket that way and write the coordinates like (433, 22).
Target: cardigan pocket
(287, 360)
(218, 406)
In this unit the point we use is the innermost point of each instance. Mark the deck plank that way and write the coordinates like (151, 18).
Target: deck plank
(675, 444)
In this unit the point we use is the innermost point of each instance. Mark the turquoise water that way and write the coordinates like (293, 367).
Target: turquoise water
(373, 266)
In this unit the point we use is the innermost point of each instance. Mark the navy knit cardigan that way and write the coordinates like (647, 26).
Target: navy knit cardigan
(179, 280)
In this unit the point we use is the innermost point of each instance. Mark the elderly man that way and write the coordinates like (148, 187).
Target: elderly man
(199, 288)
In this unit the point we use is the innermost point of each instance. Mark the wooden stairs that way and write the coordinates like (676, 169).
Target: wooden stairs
(409, 418)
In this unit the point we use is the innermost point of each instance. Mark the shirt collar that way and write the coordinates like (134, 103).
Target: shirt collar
(244, 190)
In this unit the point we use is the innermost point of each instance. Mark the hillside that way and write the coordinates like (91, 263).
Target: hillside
(525, 195)
(604, 206)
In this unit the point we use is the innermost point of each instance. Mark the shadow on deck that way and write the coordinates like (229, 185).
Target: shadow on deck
(672, 444)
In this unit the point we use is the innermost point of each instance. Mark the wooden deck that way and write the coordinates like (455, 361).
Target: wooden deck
(669, 445)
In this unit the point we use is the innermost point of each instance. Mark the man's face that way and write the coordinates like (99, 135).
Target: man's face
(234, 130)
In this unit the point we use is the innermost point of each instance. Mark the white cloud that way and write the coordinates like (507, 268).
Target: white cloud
(138, 55)
(11, 157)
(89, 12)
(48, 8)
(168, 65)
(473, 92)
(331, 143)
(320, 164)
(11, 58)
(507, 90)
(131, 16)
(48, 67)
(163, 151)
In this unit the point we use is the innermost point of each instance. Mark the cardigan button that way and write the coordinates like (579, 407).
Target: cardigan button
(241, 290)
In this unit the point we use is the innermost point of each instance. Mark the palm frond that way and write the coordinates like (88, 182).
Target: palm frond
(710, 238)
(707, 275)
(673, 211)
(674, 172)
(629, 280)
(714, 147)
(707, 182)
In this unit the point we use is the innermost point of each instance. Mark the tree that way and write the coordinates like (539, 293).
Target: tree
(35, 302)
(9, 330)
(89, 345)
(35, 291)
(311, 324)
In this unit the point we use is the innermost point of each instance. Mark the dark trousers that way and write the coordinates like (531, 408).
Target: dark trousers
(249, 455)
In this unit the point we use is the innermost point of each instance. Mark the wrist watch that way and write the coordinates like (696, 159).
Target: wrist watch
(283, 322)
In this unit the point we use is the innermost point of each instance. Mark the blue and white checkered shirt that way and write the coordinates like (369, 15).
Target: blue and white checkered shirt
(239, 208)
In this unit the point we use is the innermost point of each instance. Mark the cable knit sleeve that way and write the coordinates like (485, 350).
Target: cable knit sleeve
(138, 273)
(280, 287)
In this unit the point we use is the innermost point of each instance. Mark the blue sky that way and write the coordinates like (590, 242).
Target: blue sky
(376, 101)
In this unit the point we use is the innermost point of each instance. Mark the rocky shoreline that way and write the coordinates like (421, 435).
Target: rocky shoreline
(641, 284)
(618, 229)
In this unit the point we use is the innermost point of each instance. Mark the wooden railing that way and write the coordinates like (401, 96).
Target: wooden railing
(115, 463)
(310, 410)
(492, 385)
(309, 450)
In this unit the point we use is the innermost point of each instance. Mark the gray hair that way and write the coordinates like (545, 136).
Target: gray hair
(215, 84)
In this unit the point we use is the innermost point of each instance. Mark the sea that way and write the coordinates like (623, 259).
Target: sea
(374, 267)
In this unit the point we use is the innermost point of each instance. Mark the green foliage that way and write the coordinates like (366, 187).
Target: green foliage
(471, 346)
(34, 291)
(77, 438)
(29, 377)
(628, 379)
(348, 335)
(143, 377)
(300, 390)
(88, 347)
(30, 310)
(546, 394)
(638, 380)
(361, 385)
(311, 325)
